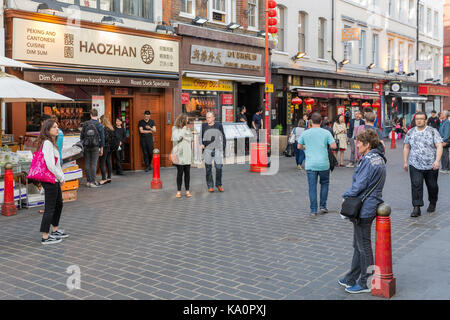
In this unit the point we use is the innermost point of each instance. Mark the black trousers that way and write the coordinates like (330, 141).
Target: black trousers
(53, 206)
(186, 169)
(147, 149)
(431, 180)
(118, 155)
(105, 161)
(362, 253)
(445, 162)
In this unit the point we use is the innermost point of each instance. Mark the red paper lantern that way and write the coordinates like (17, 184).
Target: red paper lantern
(272, 13)
(309, 101)
(366, 104)
(273, 30)
(273, 22)
(272, 4)
(355, 104)
(297, 101)
(376, 105)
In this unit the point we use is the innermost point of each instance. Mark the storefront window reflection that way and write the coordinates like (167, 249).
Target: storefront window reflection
(138, 8)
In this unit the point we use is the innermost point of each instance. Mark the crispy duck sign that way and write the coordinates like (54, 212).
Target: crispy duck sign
(62, 44)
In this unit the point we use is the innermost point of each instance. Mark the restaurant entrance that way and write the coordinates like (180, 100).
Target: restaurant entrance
(122, 108)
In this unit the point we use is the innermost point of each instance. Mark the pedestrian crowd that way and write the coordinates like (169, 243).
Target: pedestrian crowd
(317, 143)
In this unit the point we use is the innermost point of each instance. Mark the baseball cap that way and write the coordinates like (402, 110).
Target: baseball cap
(147, 112)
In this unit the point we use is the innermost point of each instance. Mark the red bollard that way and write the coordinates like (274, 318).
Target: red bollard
(258, 157)
(393, 139)
(9, 206)
(156, 182)
(383, 281)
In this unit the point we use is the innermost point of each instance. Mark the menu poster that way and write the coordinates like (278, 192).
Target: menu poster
(98, 102)
(227, 113)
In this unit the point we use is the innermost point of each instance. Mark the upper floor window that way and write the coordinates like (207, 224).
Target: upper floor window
(411, 10)
(188, 6)
(219, 8)
(362, 48)
(321, 38)
(391, 62)
(375, 48)
(421, 18)
(436, 24)
(138, 8)
(280, 26)
(253, 13)
(348, 48)
(428, 20)
(302, 25)
(391, 8)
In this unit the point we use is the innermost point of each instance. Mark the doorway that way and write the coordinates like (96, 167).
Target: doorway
(250, 97)
(122, 108)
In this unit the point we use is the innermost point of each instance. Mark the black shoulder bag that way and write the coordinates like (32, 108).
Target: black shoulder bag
(351, 207)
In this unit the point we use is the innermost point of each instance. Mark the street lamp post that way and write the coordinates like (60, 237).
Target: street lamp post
(266, 33)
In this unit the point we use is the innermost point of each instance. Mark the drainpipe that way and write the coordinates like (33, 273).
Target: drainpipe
(333, 6)
(417, 42)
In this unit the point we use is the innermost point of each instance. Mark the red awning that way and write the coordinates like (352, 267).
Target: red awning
(364, 97)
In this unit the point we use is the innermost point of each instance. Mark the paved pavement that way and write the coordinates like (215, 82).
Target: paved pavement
(255, 241)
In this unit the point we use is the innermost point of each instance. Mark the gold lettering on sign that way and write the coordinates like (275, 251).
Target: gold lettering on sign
(108, 49)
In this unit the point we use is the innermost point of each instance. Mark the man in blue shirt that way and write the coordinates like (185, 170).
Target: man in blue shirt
(316, 141)
(444, 131)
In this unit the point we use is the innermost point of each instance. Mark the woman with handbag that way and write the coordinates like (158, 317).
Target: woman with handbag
(53, 193)
(363, 198)
(340, 134)
(181, 155)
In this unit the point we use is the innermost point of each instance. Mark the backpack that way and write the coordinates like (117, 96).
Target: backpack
(91, 136)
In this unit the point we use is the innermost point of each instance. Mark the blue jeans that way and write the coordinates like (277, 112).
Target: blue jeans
(299, 154)
(312, 184)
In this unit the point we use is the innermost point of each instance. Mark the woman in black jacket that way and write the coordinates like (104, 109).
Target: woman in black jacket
(119, 131)
(105, 159)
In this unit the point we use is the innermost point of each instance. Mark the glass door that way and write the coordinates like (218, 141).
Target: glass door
(121, 108)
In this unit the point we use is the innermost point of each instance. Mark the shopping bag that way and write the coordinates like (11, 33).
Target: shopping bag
(38, 169)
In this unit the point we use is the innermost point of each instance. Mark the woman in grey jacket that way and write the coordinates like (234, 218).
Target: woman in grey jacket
(53, 193)
(370, 170)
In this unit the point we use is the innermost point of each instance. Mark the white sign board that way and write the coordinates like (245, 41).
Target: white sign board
(98, 102)
(57, 43)
(423, 65)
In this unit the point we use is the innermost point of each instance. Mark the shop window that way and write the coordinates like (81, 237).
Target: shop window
(67, 1)
(70, 116)
(137, 8)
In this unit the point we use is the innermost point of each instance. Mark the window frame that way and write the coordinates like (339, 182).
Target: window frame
(348, 54)
(376, 49)
(187, 14)
(305, 31)
(281, 12)
(115, 13)
(322, 31)
(362, 48)
(256, 4)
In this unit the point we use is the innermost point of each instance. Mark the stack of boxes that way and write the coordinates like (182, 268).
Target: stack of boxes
(19, 194)
(72, 173)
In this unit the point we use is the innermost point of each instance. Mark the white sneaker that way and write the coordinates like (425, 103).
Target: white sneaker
(444, 171)
(88, 184)
(350, 165)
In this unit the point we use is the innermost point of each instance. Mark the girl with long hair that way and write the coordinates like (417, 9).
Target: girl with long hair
(53, 194)
(106, 158)
(182, 138)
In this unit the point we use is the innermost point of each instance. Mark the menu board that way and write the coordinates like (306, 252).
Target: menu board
(238, 130)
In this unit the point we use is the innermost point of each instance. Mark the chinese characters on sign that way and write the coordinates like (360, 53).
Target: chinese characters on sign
(446, 61)
(225, 58)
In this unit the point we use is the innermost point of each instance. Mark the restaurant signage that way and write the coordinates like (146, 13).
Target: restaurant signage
(216, 57)
(209, 85)
(56, 43)
(430, 90)
(90, 80)
(446, 61)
